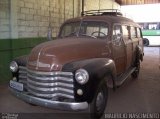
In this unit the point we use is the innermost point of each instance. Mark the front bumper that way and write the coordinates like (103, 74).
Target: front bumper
(79, 106)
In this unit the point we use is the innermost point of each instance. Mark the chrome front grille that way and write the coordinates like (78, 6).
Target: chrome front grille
(47, 84)
(23, 76)
(50, 84)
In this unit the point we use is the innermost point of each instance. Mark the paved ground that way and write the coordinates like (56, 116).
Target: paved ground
(142, 95)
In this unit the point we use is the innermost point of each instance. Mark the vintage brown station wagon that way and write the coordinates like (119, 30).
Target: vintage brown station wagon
(91, 54)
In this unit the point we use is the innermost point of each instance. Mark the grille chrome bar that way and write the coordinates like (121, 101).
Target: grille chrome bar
(50, 84)
(58, 78)
(50, 89)
(22, 67)
(50, 73)
(22, 73)
(23, 76)
(23, 81)
(51, 95)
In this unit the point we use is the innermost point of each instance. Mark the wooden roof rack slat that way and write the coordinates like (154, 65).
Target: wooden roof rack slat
(115, 12)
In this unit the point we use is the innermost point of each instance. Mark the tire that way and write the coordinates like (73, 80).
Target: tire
(31, 104)
(135, 74)
(145, 42)
(98, 105)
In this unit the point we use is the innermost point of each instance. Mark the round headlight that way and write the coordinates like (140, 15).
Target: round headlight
(13, 66)
(82, 76)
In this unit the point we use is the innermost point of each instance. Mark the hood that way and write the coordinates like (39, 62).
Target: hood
(52, 55)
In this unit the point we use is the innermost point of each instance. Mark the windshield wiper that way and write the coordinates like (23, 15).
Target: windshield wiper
(72, 34)
(88, 35)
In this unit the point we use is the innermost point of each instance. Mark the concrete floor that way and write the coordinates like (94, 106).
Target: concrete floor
(135, 96)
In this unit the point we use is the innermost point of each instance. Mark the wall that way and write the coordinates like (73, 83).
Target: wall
(34, 16)
(4, 19)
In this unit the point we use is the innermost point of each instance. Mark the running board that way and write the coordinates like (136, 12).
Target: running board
(120, 80)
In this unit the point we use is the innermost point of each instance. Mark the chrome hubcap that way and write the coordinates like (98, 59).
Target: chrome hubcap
(99, 101)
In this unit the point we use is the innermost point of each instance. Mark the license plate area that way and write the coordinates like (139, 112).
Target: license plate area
(16, 85)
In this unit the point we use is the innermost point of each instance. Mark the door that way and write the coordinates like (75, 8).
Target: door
(118, 45)
(128, 45)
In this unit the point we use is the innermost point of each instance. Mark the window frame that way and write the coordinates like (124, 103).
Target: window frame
(101, 25)
(131, 32)
(128, 30)
(116, 42)
(140, 33)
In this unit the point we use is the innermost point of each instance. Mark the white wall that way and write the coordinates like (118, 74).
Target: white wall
(101, 4)
(142, 13)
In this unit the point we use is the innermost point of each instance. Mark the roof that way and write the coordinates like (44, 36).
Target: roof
(109, 18)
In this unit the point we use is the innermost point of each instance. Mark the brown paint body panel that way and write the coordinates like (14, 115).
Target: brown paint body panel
(52, 55)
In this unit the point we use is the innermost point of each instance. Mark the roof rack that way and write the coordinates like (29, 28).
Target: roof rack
(114, 12)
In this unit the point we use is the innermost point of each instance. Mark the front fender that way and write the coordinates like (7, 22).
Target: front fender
(98, 68)
(140, 53)
(22, 60)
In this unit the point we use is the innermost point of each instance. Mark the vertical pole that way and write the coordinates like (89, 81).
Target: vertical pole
(49, 34)
(82, 13)
(159, 56)
(113, 4)
(13, 24)
(10, 35)
(73, 8)
(99, 5)
(13, 19)
(64, 10)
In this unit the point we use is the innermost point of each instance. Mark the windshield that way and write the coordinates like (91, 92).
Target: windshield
(86, 28)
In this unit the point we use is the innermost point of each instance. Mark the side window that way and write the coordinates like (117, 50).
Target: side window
(133, 32)
(125, 30)
(117, 30)
(117, 35)
(139, 33)
(69, 28)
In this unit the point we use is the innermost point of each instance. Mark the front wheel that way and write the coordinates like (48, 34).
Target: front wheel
(98, 105)
(135, 74)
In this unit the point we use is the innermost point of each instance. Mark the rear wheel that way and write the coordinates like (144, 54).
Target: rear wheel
(97, 107)
(145, 42)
